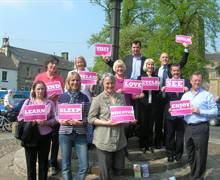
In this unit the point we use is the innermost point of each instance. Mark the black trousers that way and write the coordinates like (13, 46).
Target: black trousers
(41, 151)
(196, 140)
(54, 146)
(174, 136)
(111, 162)
(159, 123)
(147, 118)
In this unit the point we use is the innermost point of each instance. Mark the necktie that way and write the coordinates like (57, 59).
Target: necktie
(164, 75)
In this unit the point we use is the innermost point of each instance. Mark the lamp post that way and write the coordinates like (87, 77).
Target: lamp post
(115, 26)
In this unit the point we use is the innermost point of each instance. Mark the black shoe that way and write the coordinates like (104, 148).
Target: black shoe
(151, 149)
(170, 159)
(158, 146)
(178, 158)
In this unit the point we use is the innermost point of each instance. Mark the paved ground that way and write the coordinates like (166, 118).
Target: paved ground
(8, 147)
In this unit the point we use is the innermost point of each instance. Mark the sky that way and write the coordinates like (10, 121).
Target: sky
(53, 26)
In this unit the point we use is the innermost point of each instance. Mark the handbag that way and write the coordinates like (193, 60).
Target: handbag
(30, 135)
(17, 129)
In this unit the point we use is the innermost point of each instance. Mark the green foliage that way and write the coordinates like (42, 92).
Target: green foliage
(156, 23)
(100, 66)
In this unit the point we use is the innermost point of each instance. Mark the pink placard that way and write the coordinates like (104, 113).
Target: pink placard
(150, 83)
(122, 114)
(69, 112)
(175, 85)
(184, 39)
(35, 112)
(179, 108)
(103, 49)
(131, 86)
(88, 78)
(54, 88)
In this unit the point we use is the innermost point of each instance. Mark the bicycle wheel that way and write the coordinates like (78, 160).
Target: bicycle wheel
(6, 124)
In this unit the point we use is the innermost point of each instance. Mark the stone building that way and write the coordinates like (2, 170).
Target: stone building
(214, 76)
(28, 64)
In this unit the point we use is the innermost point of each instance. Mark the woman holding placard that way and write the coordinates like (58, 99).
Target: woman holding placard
(40, 149)
(80, 65)
(109, 138)
(148, 101)
(73, 131)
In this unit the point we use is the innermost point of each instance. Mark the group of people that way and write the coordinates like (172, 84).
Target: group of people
(156, 127)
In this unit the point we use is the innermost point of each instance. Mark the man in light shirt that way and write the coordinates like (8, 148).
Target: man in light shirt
(196, 126)
(8, 100)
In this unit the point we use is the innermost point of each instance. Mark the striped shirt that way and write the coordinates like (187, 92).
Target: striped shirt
(79, 98)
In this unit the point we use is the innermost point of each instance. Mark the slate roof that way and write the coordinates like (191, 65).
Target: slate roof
(37, 58)
(213, 56)
(6, 62)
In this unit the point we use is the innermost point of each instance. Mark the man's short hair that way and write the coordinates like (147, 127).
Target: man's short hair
(196, 73)
(175, 65)
(136, 42)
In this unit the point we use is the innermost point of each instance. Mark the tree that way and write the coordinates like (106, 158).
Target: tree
(157, 22)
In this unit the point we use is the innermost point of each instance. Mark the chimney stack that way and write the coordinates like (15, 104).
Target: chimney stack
(5, 42)
(65, 55)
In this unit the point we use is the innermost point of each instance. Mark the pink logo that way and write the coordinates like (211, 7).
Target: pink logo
(150, 83)
(175, 85)
(131, 86)
(35, 112)
(122, 114)
(88, 78)
(54, 88)
(103, 49)
(69, 112)
(179, 108)
(184, 39)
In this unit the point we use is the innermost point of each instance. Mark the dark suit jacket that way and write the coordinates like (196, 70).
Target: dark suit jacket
(174, 97)
(182, 63)
(128, 63)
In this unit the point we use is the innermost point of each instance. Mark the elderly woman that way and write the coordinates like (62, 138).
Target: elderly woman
(148, 101)
(109, 138)
(49, 75)
(73, 131)
(119, 69)
(42, 148)
(80, 65)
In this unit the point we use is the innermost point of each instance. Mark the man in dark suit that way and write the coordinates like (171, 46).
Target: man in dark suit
(164, 72)
(134, 68)
(134, 62)
(174, 124)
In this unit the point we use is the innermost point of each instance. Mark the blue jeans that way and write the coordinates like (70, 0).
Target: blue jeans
(66, 143)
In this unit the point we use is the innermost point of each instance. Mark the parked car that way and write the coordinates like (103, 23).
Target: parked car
(17, 96)
(216, 120)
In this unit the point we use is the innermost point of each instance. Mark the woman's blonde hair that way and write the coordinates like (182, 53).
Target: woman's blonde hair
(147, 61)
(119, 62)
(69, 77)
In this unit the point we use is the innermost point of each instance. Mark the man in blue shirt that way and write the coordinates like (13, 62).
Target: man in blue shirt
(196, 128)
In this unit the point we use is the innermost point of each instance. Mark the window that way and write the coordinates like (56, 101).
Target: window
(28, 72)
(4, 75)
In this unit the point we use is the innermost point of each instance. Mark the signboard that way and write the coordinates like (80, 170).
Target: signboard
(131, 86)
(184, 39)
(122, 114)
(175, 85)
(35, 112)
(54, 88)
(69, 112)
(179, 108)
(150, 83)
(103, 49)
(88, 78)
